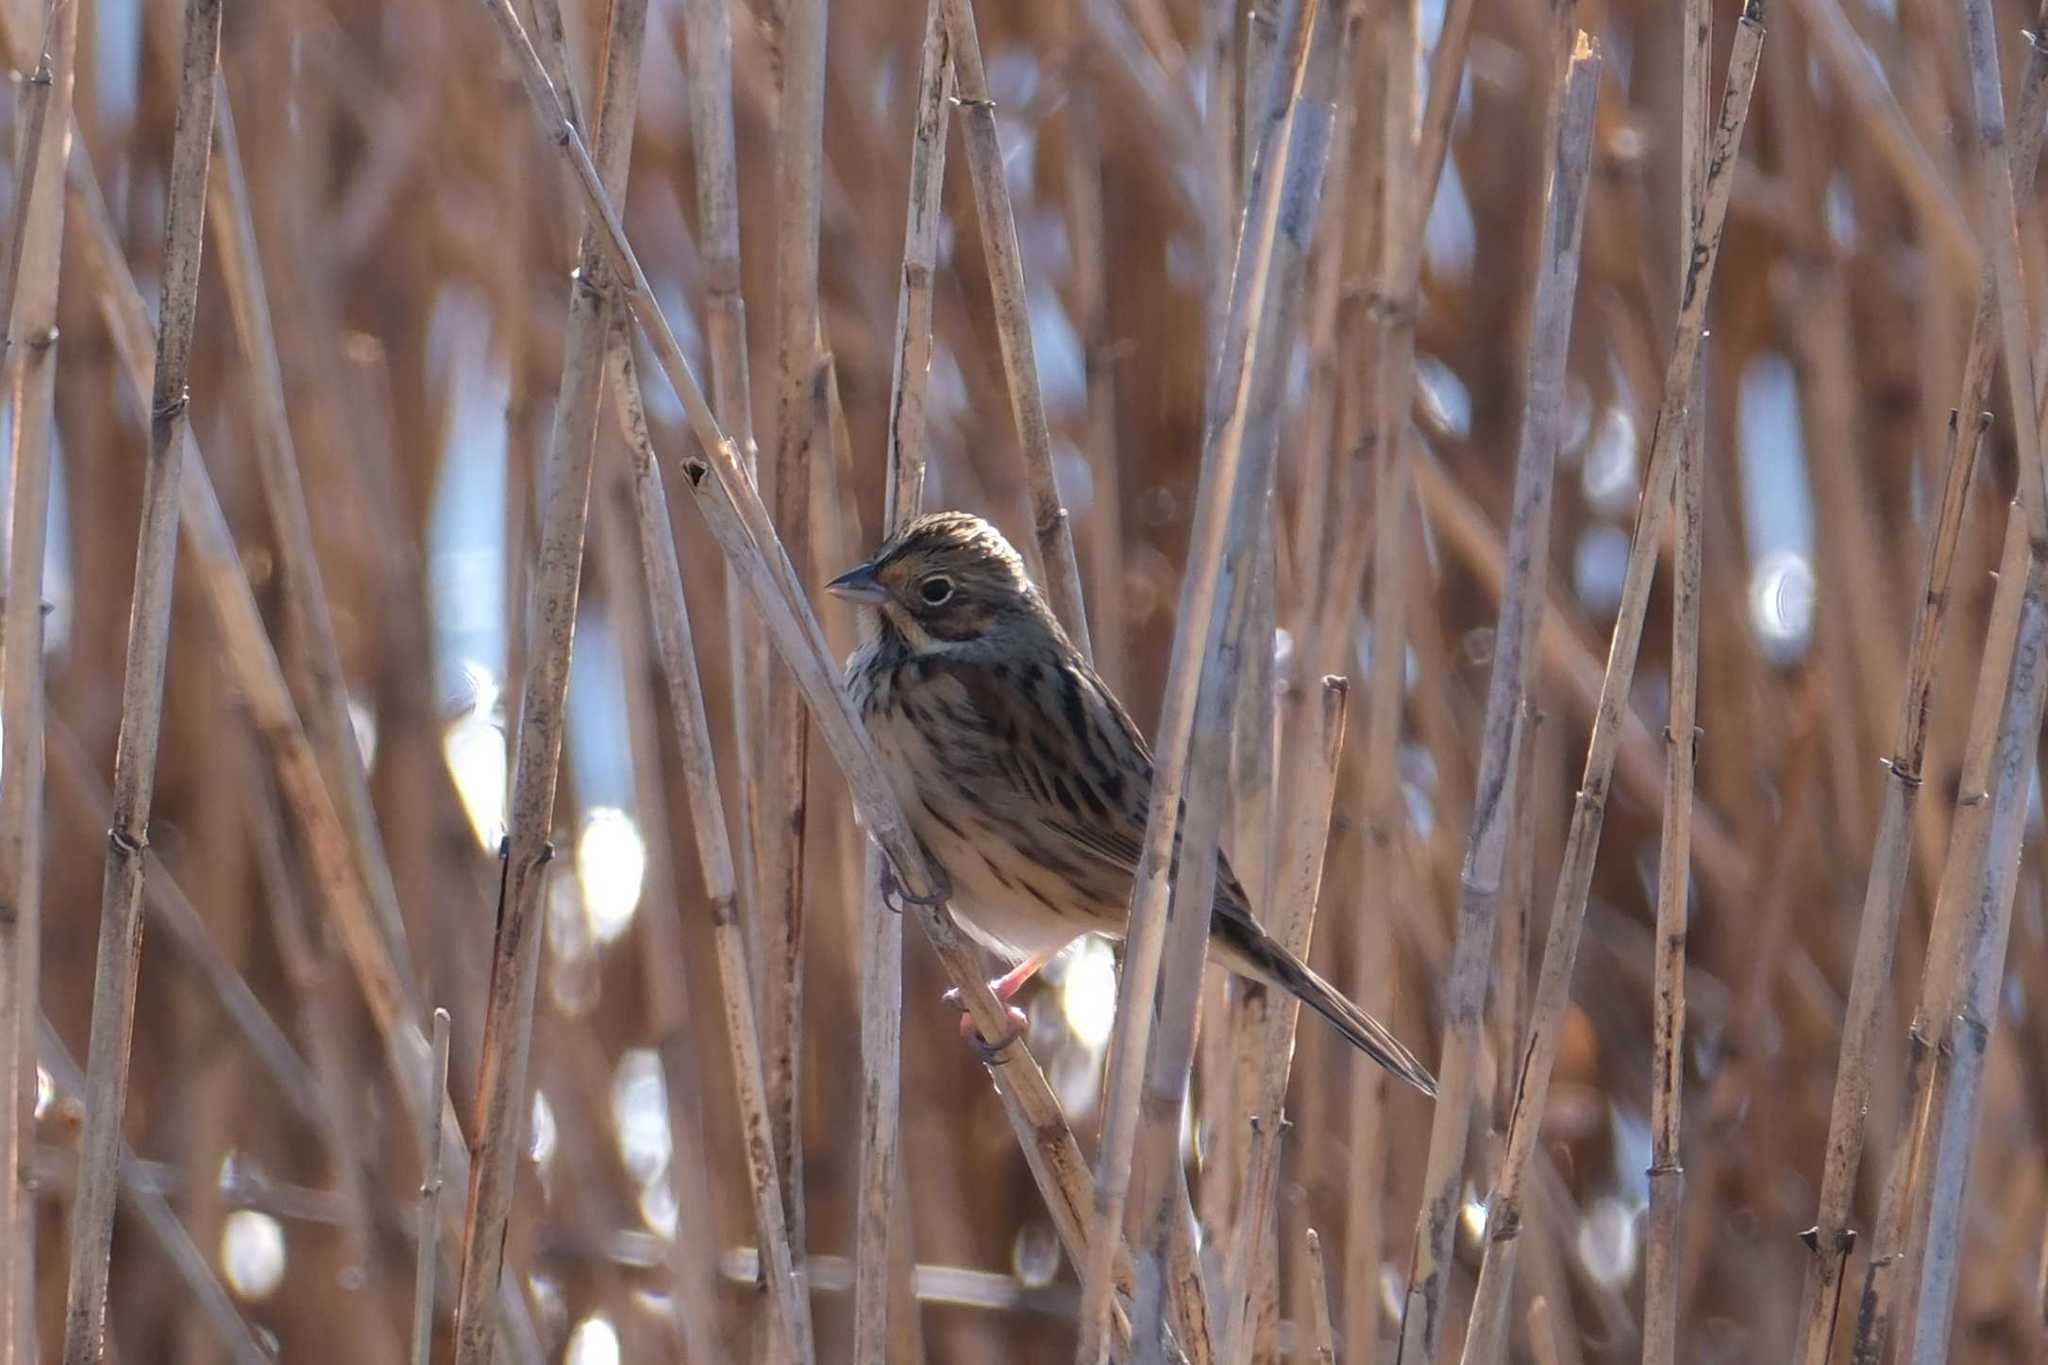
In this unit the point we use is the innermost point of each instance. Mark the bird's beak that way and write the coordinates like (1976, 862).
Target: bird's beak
(859, 584)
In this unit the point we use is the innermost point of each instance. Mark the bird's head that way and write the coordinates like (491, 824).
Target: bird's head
(945, 581)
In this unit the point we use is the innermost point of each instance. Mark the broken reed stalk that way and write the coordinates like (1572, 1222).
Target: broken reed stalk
(1485, 1338)
(1681, 746)
(116, 974)
(1052, 545)
(1495, 800)
(1325, 1338)
(876, 1222)
(1293, 925)
(708, 65)
(1966, 964)
(29, 316)
(1831, 1238)
(325, 712)
(1228, 503)
(739, 522)
(502, 1102)
(676, 658)
(237, 1339)
(427, 1232)
(779, 836)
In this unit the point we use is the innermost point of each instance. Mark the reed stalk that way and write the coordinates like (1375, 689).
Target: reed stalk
(29, 315)
(1484, 872)
(119, 966)
(1484, 1339)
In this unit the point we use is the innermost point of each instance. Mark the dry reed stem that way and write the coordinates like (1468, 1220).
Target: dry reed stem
(1509, 996)
(1495, 803)
(881, 1172)
(426, 1236)
(1666, 1174)
(1485, 1336)
(254, 666)
(1831, 1239)
(877, 1223)
(116, 975)
(1380, 427)
(1293, 925)
(675, 655)
(29, 316)
(797, 41)
(1890, 1254)
(1088, 304)
(1968, 898)
(739, 522)
(1440, 105)
(692, 1274)
(237, 1339)
(708, 64)
(1961, 983)
(911, 380)
(325, 711)
(1052, 546)
(1228, 505)
(1325, 1339)
(502, 1103)
(1267, 851)
(1950, 1104)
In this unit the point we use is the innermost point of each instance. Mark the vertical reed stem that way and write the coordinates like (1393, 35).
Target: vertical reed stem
(142, 694)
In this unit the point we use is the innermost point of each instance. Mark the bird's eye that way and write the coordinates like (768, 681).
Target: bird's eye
(936, 590)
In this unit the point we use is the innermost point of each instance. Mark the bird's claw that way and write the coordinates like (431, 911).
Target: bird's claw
(895, 895)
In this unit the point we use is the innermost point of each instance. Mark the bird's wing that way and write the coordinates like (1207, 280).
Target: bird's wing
(1064, 747)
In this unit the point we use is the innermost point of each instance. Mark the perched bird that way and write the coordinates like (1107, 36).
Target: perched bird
(1020, 772)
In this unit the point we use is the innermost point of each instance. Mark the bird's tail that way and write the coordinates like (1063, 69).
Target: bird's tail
(1281, 968)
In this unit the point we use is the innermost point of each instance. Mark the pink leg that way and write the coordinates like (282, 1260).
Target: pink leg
(1007, 985)
(1004, 988)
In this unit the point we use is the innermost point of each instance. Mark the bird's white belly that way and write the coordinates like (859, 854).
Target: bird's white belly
(1001, 898)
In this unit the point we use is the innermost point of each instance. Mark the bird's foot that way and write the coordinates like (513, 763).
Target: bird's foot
(1003, 988)
(895, 895)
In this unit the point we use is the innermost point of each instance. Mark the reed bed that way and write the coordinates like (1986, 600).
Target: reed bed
(1560, 484)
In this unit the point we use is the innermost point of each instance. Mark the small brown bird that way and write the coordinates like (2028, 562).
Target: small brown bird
(1020, 772)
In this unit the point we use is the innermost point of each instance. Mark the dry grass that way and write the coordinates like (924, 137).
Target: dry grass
(1159, 257)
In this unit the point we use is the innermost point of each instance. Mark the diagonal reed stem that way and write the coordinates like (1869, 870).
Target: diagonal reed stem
(1485, 1338)
(1514, 667)
(737, 519)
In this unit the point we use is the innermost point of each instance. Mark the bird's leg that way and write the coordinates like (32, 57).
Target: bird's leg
(1004, 988)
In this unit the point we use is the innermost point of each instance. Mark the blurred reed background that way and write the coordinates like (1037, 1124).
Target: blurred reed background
(392, 397)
